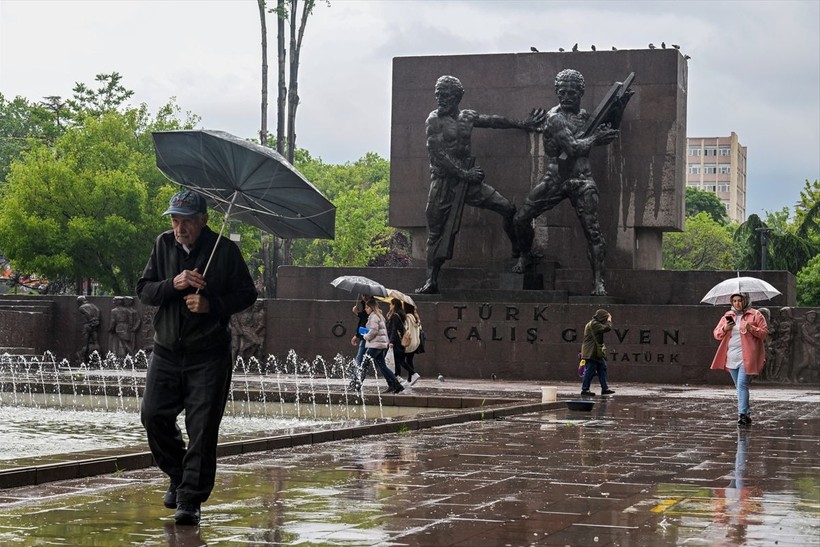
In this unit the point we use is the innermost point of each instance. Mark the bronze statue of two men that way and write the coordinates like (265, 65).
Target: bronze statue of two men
(569, 133)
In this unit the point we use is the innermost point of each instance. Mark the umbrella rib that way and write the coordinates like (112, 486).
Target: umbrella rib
(277, 215)
(215, 196)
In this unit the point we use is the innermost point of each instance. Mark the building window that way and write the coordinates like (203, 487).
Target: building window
(710, 151)
(709, 168)
(723, 187)
(694, 152)
(725, 150)
(724, 169)
(694, 169)
(709, 188)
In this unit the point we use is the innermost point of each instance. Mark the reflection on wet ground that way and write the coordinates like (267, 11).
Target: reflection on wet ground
(636, 470)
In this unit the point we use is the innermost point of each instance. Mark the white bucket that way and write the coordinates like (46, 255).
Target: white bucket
(548, 394)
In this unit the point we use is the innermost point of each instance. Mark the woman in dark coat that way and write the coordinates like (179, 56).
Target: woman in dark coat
(395, 330)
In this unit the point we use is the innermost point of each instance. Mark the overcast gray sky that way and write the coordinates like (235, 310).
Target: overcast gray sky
(755, 66)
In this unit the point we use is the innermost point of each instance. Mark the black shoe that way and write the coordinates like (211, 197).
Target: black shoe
(398, 389)
(390, 389)
(607, 392)
(587, 393)
(187, 513)
(169, 500)
(744, 419)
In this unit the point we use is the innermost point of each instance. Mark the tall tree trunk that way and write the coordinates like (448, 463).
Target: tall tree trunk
(283, 88)
(293, 87)
(263, 126)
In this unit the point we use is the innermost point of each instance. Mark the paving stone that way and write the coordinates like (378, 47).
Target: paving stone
(638, 470)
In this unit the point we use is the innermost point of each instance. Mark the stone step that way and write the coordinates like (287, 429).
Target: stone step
(16, 351)
(494, 295)
(26, 304)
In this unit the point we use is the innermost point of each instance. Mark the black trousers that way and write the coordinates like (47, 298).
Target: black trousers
(198, 384)
(403, 361)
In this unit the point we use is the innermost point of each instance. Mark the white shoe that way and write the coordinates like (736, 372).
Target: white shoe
(414, 378)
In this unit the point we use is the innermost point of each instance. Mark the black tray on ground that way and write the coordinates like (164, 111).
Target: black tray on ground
(580, 405)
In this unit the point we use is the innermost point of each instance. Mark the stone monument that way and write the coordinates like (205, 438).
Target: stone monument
(486, 321)
(640, 176)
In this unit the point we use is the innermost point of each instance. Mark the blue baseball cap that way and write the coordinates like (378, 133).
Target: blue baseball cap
(186, 203)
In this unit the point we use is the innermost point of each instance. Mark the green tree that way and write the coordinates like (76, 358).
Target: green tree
(288, 97)
(704, 244)
(360, 192)
(22, 123)
(281, 251)
(110, 96)
(789, 251)
(808, 283)
(807, 211)
(90, 205)
(699, 201)
(81, 210)
(747, 243)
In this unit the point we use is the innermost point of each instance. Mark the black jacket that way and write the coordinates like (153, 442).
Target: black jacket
(395, 331)
(229, 290)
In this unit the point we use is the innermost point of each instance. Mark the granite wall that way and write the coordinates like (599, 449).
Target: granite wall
(516, 339)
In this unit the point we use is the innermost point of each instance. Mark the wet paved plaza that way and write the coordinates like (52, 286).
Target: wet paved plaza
(649, 466)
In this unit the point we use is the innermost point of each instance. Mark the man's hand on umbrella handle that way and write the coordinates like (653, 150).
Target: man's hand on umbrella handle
(189, 278)
(197, 303)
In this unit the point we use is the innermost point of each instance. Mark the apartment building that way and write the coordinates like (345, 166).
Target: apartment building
(718, 165)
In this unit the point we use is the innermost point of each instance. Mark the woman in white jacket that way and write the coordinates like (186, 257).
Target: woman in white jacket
(375, 343)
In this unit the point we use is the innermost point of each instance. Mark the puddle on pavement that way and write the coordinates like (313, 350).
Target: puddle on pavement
(658, 473)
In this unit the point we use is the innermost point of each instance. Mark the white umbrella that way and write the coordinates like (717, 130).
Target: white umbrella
(756, 288)
(398, 295)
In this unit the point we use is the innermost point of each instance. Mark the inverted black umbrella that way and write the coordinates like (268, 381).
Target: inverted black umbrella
(246, 181)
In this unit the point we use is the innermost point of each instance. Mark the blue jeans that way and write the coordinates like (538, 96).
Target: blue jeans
(360, 352)
(375, 356)
(593, 367)
(741, 381)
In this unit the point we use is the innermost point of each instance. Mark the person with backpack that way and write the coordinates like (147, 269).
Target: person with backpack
(396, 329)
(411, 341)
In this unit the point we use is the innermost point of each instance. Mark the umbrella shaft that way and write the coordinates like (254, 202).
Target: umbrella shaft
(221, 231)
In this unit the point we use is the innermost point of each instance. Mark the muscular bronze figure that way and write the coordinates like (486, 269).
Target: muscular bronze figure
(455, 180)
(569, 134)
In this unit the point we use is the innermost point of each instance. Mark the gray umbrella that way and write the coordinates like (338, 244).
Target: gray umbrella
(246, 181)
(359, 284)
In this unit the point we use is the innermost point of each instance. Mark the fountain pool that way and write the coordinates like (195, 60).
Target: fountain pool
(63, 421)
(32, 432)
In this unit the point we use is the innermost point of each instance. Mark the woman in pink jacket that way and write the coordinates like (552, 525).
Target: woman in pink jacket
(741, 332)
